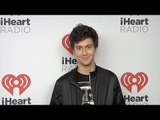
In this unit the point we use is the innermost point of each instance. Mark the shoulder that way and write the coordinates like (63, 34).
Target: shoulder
(105, 71)
(108, 75)
(67, 76)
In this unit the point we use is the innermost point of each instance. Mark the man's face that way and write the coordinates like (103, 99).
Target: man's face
(84, 51)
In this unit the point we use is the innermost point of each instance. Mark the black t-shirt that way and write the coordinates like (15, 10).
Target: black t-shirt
(85, 85)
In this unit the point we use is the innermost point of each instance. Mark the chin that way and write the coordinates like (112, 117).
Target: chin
(86, 64)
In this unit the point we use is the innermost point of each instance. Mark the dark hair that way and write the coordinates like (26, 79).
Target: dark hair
(81, 32)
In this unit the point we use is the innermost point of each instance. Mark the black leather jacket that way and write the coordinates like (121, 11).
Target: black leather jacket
(105, 88)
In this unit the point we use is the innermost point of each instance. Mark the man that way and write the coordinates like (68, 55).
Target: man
(88, 83)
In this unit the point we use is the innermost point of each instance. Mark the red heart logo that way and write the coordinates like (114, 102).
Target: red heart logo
(66, 43)
(22, 81)
(128, 80)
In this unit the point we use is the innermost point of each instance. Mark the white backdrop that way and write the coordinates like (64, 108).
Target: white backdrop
(32, 55)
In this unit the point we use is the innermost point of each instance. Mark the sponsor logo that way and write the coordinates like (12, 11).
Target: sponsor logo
(66, 44)
(139, 80)
(14, 26)
(68, 63)
(128, 79)
(10, 82)
(134, 25)
(22, 81)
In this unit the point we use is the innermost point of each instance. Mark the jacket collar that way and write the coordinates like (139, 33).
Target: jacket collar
(74, 72)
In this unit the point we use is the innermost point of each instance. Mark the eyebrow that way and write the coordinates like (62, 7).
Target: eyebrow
(85, 46)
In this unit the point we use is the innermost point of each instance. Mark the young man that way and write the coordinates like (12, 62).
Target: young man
(88, 83)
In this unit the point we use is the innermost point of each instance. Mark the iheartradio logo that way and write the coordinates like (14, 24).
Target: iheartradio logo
(66, 44)
(22, 81)
(128, 79)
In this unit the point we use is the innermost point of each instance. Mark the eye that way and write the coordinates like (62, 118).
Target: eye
(90, 46)
(78, 48)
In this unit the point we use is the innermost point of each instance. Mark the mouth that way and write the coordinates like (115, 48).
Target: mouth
(84, 59)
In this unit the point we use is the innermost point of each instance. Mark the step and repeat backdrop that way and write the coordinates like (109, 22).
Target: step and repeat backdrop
(35, 52)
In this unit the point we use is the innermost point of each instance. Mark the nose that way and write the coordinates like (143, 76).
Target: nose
(84, 52)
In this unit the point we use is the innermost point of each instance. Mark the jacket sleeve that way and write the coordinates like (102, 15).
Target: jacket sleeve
(56, 98)
(118, 96)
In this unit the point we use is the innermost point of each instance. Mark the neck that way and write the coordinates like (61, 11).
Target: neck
(86, 69)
